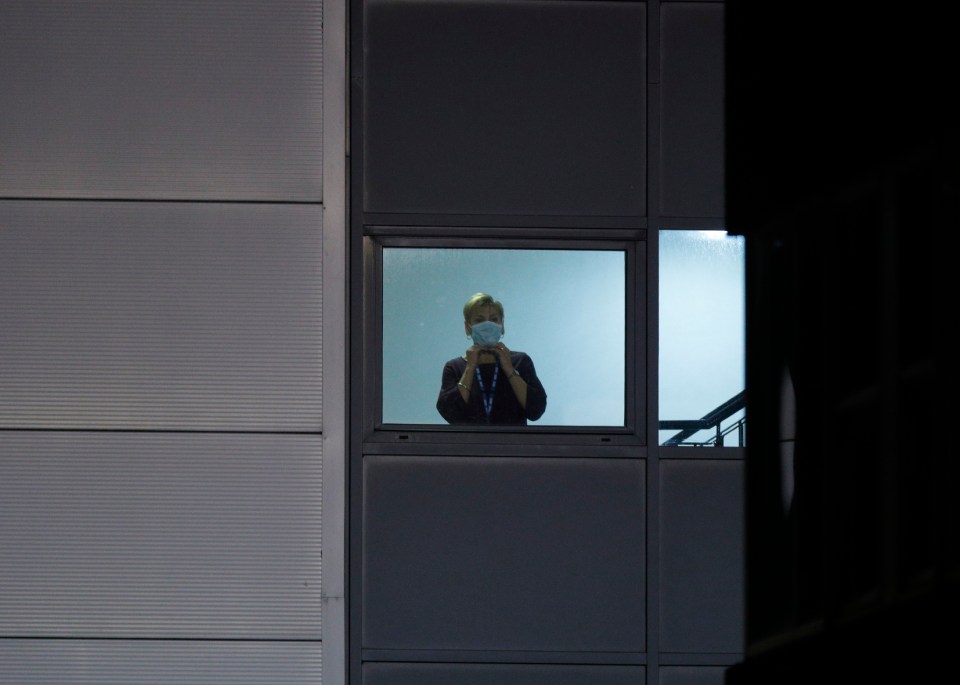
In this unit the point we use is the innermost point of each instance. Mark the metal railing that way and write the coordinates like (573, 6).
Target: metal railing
(713, 420)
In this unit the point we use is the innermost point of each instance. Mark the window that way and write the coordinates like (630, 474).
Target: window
(701, 365)
(565, 305)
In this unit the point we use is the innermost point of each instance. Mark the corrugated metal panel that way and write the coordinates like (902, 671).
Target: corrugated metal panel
(160, 315)
(188, 99)
(149, 662)
(159, 535)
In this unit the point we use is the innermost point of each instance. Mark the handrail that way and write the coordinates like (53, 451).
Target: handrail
(712, 419)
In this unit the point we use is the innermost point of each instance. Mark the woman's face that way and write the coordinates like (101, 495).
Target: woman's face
(483, 313)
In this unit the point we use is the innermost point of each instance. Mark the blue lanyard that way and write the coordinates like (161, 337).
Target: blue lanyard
(488, 397)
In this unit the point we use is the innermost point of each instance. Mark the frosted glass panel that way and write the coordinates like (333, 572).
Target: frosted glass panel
(701, 328)
(564, 308)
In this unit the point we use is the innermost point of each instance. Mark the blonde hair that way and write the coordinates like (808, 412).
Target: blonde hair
(480, 300)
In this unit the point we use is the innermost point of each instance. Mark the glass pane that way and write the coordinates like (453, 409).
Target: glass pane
(563, 308)
(701, 334)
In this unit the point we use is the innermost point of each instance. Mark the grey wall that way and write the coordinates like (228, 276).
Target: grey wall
(161, 330)
(169, 298)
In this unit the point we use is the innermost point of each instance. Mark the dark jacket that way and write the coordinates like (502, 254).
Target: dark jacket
(505, 409)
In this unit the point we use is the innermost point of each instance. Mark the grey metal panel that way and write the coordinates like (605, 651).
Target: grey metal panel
(513, 107)
(335, 352)
(701, 556)
(157, 662)
(160, 315)
(159, 535)
(504, 554)
(692, 675)
(181, 99)
(692, 122)
(500, 674)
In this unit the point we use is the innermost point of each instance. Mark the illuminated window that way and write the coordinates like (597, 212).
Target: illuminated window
(565, 308)
(701, 365)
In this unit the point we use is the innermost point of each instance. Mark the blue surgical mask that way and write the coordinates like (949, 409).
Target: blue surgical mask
(486, 333)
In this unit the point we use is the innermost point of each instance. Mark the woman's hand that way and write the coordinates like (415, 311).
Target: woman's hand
(517, 384)
(473, 354)
(503, 357)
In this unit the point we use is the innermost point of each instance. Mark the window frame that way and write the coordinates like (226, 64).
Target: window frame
(379, 435)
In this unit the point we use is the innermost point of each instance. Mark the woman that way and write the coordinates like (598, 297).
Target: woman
(489, 384)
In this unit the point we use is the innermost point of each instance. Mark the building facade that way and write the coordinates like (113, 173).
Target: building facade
(197, 479)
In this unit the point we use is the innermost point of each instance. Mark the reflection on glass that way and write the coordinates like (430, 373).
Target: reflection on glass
(564, 309)
(701, 364)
